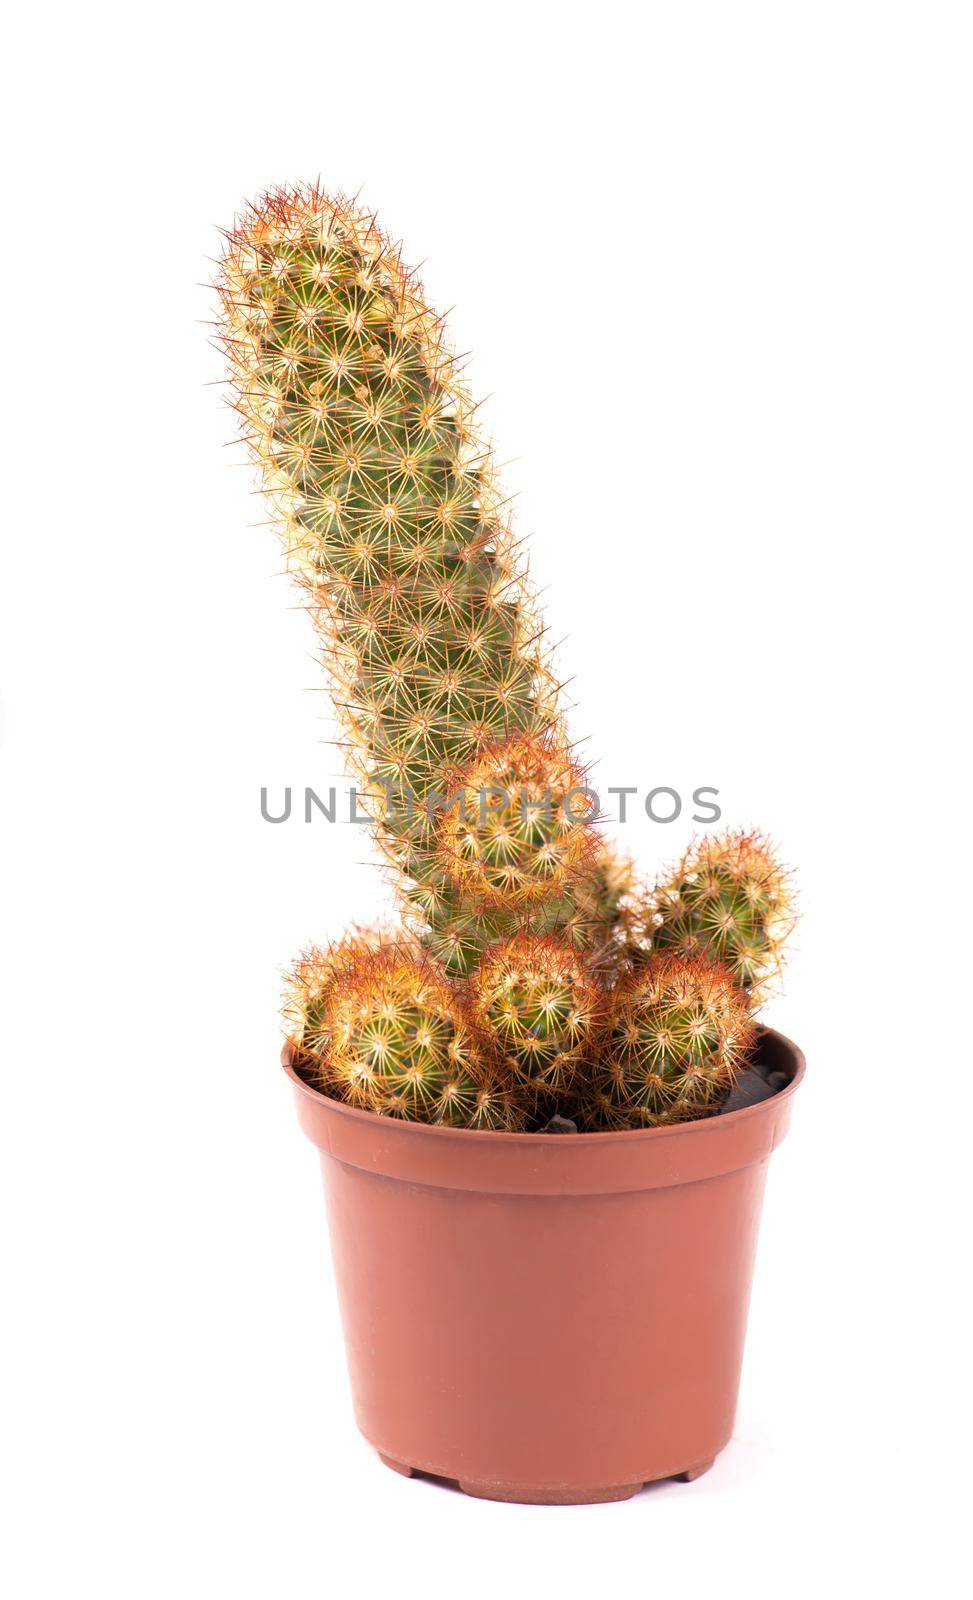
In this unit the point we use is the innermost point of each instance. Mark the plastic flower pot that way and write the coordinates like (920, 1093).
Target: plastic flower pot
(552, 1319)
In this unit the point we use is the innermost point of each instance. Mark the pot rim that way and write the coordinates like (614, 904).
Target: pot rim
(589, 1140)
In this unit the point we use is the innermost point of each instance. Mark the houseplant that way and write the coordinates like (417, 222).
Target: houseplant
(511, 1299)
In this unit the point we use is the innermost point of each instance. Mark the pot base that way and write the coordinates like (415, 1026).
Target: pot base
(523, 1495)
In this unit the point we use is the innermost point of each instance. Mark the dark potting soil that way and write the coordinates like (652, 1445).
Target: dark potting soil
(559, 1124)
(753, 1084)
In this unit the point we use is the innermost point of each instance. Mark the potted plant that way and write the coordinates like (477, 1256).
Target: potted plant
(543, 1105)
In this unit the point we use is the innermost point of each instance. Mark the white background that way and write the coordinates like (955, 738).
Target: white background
(714, 264)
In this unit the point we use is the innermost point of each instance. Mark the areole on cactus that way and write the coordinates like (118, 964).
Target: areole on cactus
(531, 969)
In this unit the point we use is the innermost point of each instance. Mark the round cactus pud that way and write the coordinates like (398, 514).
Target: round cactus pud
(518, 828)
(402, 1043)
(729, 899)
(540, 1006)
(678, 1032)
(307, 994)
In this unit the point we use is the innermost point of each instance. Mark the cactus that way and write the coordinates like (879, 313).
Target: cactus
(541, 1006)
(532, 969)
(307, 994)
(392, 520)
(730, 899)
(613, 905)
(401, 1042)
(518, 833)
(678, 1032)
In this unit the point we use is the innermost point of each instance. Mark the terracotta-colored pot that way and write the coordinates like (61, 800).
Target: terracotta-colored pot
(548, 1318)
